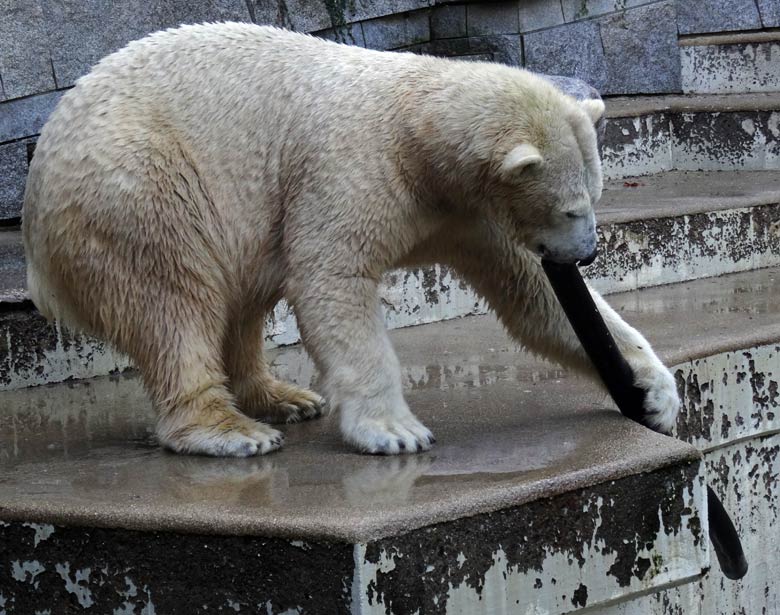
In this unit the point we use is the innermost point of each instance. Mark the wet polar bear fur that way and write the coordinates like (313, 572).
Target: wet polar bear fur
(198, 176)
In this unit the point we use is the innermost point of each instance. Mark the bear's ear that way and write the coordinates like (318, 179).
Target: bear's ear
(594, 108)
(519, 158)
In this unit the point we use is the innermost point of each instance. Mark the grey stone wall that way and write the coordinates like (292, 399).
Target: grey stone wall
(619, 46)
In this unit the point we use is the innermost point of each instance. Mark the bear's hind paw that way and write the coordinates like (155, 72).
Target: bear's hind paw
(279, 402)
(231, 437)
(307, 407)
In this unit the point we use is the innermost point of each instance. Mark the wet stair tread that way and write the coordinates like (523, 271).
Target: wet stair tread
(635, 106)
(510, 429)
(677, 193)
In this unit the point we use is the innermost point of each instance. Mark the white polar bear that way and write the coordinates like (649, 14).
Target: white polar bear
(197, 176)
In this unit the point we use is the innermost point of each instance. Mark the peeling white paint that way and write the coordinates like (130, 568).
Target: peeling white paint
(734, 419)
(731, 396)
(676, 558)
(773, 125)
(79, 357)
(635, 264)
(128, 607)
(300, 544)
(148, 608)
(691, 142)
(735, 68)
(20, 570)
(359, 598)
(42, 531)
(710, 150)
(79, 586)
(753, 499)
(649, 151)
(269, 610)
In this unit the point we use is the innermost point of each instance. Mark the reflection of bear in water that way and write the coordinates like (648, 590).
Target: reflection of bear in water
(200, 174)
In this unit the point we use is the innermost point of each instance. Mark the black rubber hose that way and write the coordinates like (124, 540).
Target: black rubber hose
(618, 377)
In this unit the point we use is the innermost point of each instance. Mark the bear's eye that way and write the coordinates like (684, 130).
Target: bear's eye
(570, 214)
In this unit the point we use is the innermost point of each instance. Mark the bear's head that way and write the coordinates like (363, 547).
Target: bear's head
(547, 179)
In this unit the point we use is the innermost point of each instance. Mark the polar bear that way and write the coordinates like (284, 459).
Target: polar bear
(199, 175)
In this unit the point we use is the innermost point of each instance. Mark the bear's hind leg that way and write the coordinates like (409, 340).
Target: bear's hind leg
(257, 392)
(197, 413)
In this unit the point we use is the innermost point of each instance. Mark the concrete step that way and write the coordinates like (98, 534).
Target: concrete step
(95, 516)
(13, 283)
(729, 63)
(662, 229)
(731, 412)
(718, 132)
(680, 225)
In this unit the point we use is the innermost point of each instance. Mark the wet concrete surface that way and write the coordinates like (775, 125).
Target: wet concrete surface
(696, 319)
(677, 193)
(510, 430)
(633, 106)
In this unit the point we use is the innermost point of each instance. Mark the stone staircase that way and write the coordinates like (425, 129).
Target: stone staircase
(539, 497)
(96, 515)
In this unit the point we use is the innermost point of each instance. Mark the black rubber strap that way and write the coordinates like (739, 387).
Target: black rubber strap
(618, 377)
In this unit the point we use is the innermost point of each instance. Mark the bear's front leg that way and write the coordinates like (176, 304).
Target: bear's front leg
(513, 282)
(342, 329)
(662, 401)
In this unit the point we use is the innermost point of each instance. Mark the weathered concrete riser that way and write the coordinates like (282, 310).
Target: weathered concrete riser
(731, 68)
(637, 146)
(658, 251)
(522, 560)
(730, 397)
(731, 411)
(745, 476)
(705, 141)
(524, 574)
(747, 140)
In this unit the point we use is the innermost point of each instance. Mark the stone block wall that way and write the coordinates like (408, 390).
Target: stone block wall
(619, 46)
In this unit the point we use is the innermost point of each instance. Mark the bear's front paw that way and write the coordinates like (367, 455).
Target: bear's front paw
(662, 403)
(388, 435)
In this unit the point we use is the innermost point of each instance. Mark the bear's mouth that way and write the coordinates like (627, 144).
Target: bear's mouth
(546, 254)
(588, 260)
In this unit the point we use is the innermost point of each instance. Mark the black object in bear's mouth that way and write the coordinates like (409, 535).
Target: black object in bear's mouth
(618, 377)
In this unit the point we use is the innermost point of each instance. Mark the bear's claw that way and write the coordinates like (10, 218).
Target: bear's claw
(304, 409)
